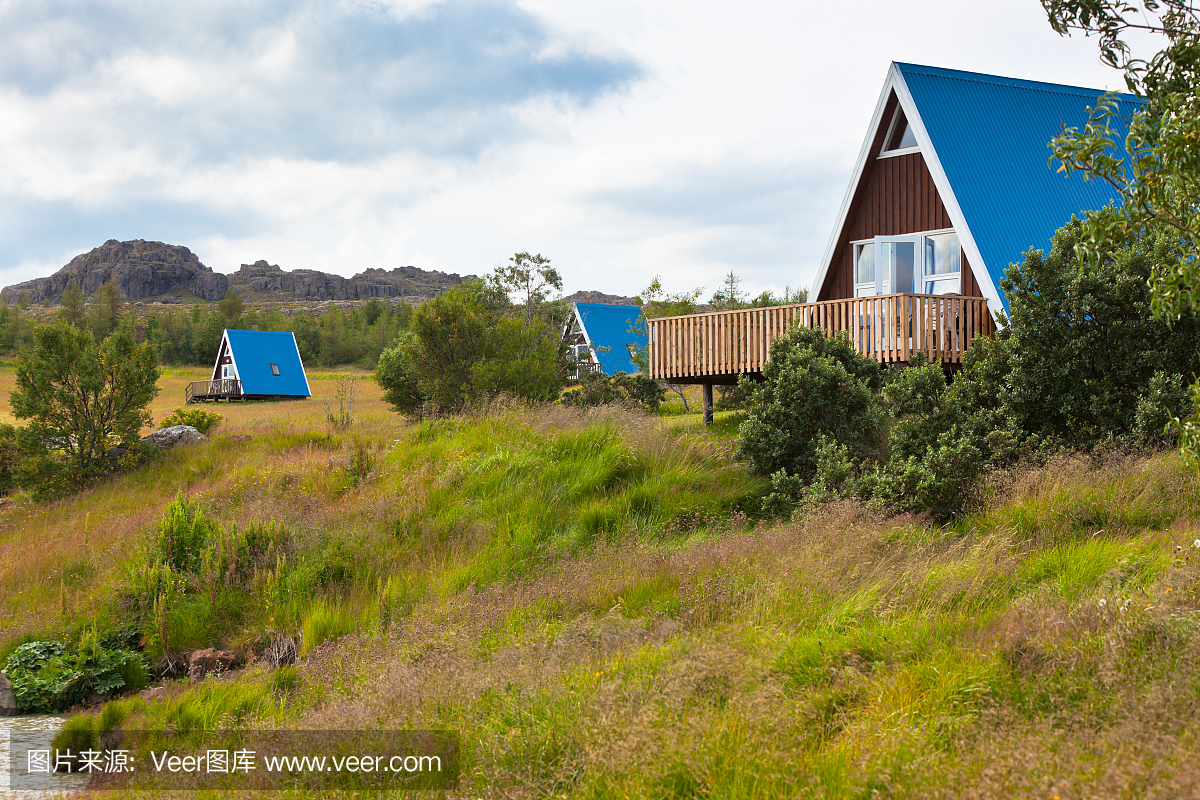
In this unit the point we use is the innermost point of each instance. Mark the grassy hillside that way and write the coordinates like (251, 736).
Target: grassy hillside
(591, 602)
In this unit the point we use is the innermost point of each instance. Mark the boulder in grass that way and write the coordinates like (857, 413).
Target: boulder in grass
(176, 435)
(203, 662)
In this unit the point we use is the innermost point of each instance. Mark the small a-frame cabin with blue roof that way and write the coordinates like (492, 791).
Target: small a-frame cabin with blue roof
(951, 185)
(603, 337)
(254, 365)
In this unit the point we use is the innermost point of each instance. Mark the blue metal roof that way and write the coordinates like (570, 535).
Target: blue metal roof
(607, 326)
(254, 352)
(990, 135)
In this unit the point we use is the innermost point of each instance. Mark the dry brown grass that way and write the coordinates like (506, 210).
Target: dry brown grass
(843, 655)
(64, 556)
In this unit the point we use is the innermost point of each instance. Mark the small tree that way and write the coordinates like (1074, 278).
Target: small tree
(527, 280)
(109, 309)
(465, 347)
(84, 398)
(730, 295)
(231, 307)
(72, 303)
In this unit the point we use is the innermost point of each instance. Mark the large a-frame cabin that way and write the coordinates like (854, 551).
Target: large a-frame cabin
(952, 184)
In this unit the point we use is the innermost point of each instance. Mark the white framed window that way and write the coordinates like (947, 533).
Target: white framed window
(921, 263)
(900, 138)
(896, 259)
(942, 267)
(864, 268)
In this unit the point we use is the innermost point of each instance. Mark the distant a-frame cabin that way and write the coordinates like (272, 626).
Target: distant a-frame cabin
(253, 365)
(604, 337)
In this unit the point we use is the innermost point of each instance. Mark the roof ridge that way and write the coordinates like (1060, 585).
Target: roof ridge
(1001, 80)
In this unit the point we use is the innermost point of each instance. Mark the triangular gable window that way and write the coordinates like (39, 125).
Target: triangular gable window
(901, 136)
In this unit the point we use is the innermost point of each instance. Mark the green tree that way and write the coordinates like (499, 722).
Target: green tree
(462, 348)
(527, 281)
(23, 301)
(82, 398)
(72, 306)
(109, 309)
(730, 295)
(1152, 160)
(1083, 342)
(231, 307)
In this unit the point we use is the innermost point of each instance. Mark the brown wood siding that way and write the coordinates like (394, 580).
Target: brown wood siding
(895, 196)
(970, 286)
(222, 358)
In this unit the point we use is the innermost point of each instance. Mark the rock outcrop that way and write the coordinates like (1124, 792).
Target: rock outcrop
(308, 284)
(140, 269)
(8, 700)
(152, 270)
(600, 297)
(175, 435)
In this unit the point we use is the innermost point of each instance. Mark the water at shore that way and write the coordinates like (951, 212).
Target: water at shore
(33, 786)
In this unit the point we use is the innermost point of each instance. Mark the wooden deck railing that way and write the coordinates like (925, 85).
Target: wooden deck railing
(887, 327)
(209, 390)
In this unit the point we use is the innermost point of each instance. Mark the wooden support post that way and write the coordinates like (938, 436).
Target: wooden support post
(708, 404)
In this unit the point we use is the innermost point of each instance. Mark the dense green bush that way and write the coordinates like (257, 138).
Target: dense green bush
(470, 345)
(813, 385)
(1082, 362)
(597, 389)
(47, 676)
(198, 418)
(1083, 344)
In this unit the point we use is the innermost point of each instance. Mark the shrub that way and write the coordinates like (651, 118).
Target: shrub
(198, 418)
(470, 345)
(47, 676)
(813, 385)
(1166, 400)
(184, 535)
(1084, 344)
(597, 389)
(83, 399)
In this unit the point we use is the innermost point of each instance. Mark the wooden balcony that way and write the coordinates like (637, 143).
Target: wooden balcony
(718, 347)
(224, 389)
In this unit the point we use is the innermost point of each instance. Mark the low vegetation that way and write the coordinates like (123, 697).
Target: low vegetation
(866, 584)
(595, 601)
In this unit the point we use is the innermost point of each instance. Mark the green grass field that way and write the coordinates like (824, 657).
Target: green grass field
(592, 601)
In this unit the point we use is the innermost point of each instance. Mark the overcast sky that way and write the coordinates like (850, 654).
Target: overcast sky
(623, 139)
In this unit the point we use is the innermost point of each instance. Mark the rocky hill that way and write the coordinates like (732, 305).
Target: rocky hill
(261, 280)
(600, 297)
(141, 269)
(148, 270)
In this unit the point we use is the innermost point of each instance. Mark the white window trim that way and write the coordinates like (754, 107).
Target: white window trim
(943, 278)
(854, 268)
(903, 151)
(916, 148)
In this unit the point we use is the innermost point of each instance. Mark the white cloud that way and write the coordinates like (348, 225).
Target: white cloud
(622, 139)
